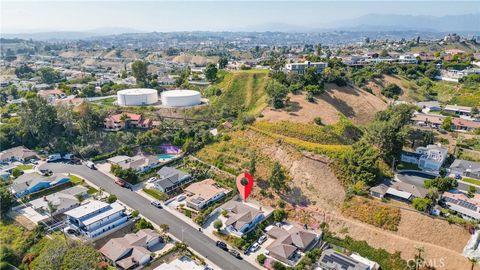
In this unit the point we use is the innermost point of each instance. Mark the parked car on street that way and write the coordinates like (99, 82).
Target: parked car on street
(156, 204)
(90, 165)
(54, 157)
(120, 182)
(222, 245)
(235, 253)
(46, 172)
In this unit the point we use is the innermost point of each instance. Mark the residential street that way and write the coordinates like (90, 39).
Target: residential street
(191, 236)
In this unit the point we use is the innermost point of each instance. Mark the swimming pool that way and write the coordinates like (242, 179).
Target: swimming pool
(164, 156)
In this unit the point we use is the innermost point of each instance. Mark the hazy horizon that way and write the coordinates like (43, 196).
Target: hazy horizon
(168, 16)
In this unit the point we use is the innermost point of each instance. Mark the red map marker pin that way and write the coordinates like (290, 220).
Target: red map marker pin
(244, 184)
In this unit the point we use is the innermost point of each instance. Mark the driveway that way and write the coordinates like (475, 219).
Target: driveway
(180, 229)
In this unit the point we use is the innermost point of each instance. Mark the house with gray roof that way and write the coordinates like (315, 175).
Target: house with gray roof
(171, 179)
(289, 241)
(398, 190)
(132, 250)
(242, 217)
(138, 163)
(19, 153)
(465, 168)
(63, 200)
(32, 182)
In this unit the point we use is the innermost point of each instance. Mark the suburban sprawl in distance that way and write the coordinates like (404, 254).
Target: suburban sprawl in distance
(348, 149)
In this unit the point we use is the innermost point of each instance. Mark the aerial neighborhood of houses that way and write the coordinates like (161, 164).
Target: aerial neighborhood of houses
(343, 150)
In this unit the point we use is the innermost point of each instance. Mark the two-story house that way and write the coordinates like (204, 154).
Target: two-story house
(429, 158)
(300, 68)
(95, 218)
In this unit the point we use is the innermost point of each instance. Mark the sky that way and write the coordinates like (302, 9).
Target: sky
(166, 16)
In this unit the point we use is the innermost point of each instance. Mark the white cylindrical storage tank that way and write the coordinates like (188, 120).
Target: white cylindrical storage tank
(180, 98)
(137, 96)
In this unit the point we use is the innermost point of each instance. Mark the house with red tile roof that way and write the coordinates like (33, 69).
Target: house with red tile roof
(120, 121)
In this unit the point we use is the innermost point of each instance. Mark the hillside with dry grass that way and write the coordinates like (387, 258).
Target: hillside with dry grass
(357, 105)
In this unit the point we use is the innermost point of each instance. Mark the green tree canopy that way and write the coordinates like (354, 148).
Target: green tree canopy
(360, 163)
(39, 120)
(389, 130)
(222, 62)
(49, 75)
(278, 179)
(211, 72)
(140, 72)
(421, 204)
(276, 93)
(447, 123)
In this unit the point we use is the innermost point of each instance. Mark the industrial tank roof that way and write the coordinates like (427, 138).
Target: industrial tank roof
(137, 91)
(180, 93)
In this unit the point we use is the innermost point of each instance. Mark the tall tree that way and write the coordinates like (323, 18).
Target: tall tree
(360, 163)
(277, 179)
(252, 164)
(39, 121)
(276, 93)
(140, 72)
(6, 198)
(211, 72)
(389, 131)
(222, 62)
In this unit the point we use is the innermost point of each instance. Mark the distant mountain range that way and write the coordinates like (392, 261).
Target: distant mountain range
(466, 23)
(389, 22)
(71, 35)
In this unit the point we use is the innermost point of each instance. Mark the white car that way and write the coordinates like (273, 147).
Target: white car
(151, 179)
(181, 198)
(254, 247)
(262, 239)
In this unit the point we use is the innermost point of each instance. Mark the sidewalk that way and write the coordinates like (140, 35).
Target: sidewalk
(156, 226)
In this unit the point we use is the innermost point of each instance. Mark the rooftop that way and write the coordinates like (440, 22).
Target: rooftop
(84, 210)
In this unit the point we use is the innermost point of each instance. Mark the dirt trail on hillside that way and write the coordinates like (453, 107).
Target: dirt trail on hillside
(318, 197)
(357, 105)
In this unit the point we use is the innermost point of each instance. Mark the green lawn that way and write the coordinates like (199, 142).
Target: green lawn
(471, 181)
(76, 180)
(92, 190)
(407, 166)
(156, 194)
(25, 167)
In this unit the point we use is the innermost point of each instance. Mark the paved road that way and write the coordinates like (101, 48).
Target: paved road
(191, 236)
(418, 181)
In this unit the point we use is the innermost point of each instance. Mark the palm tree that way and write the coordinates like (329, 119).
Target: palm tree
(420, 249)
(164, 227)
(51, 208)
(99, 193)
(124, 118)
(473, 261)
(79, 198)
